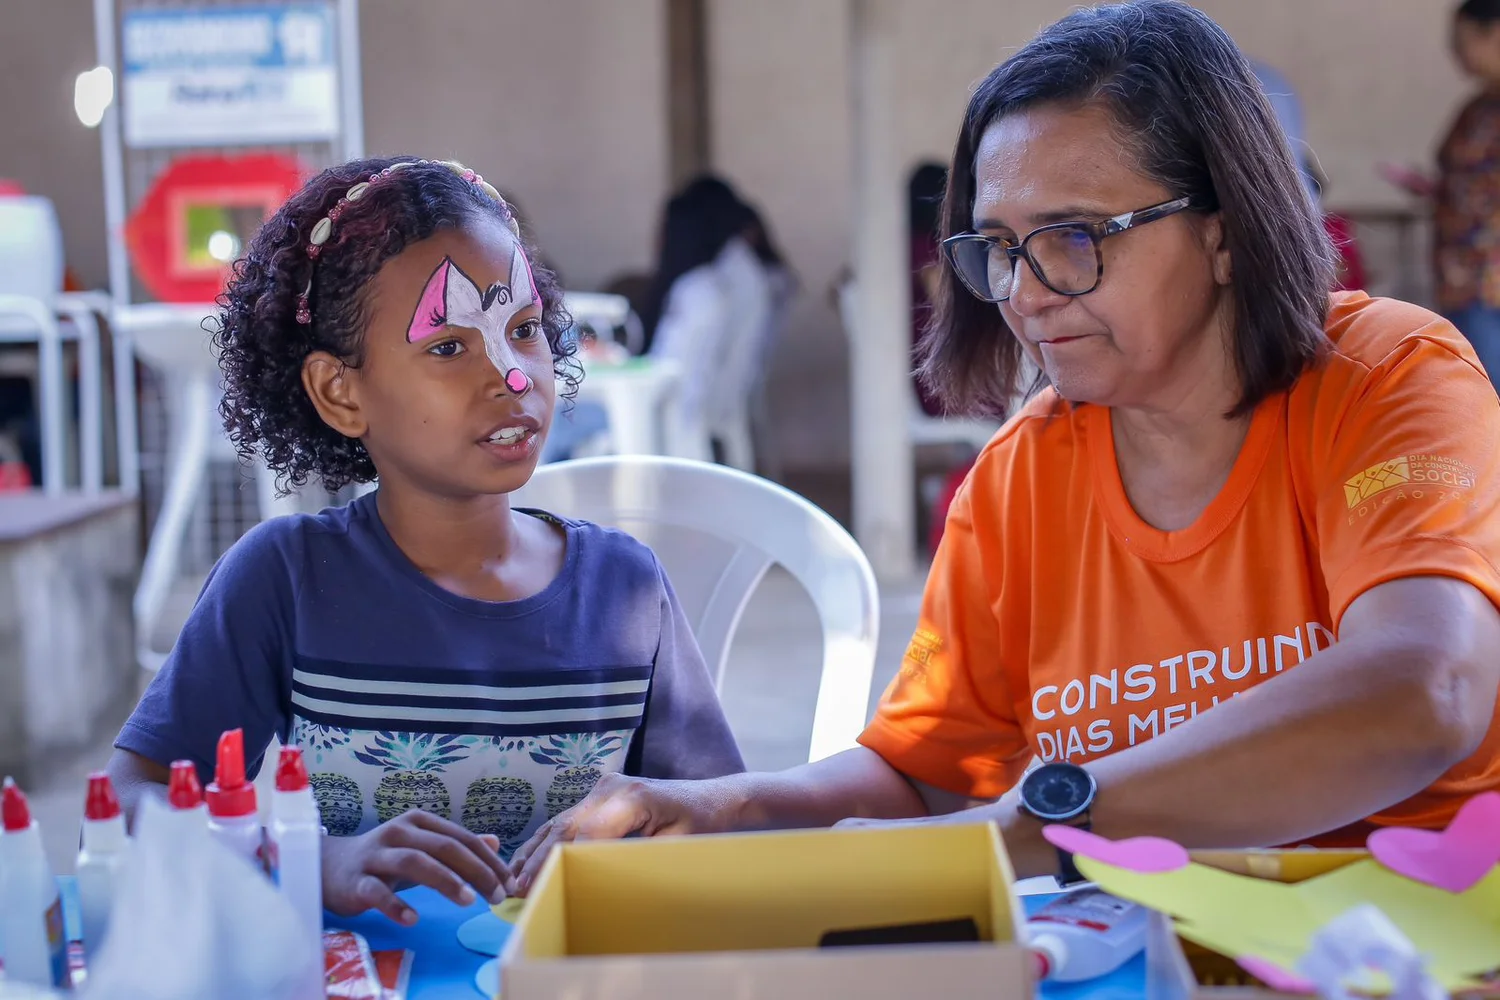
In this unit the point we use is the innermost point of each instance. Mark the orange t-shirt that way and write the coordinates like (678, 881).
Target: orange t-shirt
(1058, 624)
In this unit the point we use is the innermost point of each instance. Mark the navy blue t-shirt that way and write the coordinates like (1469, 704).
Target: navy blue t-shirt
(319, 630)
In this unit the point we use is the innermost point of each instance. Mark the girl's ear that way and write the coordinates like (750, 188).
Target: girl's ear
(334, 393)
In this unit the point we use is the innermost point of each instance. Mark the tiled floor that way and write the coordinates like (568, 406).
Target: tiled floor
(769, 690)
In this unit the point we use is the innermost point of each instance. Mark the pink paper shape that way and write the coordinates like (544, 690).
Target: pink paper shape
(1276, 977)
(1147, 855)
(1456, 859)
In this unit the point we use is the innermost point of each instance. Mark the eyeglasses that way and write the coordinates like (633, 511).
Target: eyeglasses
(1066, 256)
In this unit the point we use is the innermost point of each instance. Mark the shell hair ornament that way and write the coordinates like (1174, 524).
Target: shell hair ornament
(322, 231)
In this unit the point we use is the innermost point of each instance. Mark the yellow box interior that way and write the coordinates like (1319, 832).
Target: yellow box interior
(744, 892)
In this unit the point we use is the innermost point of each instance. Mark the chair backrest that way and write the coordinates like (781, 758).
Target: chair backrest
(717, 531)
(31, 247)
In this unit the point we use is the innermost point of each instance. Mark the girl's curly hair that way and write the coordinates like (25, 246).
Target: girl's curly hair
(262, 347)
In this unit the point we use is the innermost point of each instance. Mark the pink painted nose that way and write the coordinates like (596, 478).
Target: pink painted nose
(517, 381)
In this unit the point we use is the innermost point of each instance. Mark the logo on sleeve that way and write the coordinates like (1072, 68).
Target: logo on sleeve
(925, 644)
(1435, 471)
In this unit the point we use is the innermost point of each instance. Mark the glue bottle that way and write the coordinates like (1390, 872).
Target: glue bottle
(1084, 934)
(185, 795)
(232, 817)
(100, 861)
(31, 922)
(294, 852)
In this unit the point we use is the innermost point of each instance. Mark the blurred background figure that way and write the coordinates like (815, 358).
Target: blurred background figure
(717, 300)
(924, 193)
(1466, 190)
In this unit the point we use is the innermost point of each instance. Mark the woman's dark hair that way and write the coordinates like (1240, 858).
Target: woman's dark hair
(1186, 103)
(924, 199)
(262, 346)
(1484, 12)
(699, 220)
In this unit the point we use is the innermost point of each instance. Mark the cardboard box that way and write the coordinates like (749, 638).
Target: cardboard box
(741, 916)
(1181, 970)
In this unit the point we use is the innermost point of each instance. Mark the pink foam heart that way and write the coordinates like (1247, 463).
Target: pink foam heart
(1275, 976)
(1147, 855)
(1456, 859)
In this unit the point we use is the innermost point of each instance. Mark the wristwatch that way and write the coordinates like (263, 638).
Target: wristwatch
(1060, 793)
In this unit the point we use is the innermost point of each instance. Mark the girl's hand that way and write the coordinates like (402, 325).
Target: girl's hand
(362, 873)
(620, 806)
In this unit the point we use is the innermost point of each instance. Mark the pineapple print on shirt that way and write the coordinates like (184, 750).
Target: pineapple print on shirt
(415, 762)
(505, 786)
(580, 758)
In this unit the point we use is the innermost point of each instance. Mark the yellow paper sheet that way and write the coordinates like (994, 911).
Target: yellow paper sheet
(1238, 915)
(509, 910)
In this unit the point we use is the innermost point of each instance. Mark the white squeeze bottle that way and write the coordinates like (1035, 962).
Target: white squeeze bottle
(295, 854)
(185, 795)
(232, 816)
(1084, 934)
(31, 922)
(101, 860)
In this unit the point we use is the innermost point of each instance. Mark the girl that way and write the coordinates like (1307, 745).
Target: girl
(455, 671)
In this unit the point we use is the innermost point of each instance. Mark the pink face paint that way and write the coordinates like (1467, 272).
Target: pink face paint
(451, 298)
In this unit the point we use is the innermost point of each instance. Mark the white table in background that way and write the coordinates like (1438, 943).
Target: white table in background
(634, 394)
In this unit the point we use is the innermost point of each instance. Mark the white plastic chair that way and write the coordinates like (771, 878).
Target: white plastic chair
(717, 531)
(34, 309)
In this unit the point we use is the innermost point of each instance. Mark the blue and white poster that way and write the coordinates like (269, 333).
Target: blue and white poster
(223, 76)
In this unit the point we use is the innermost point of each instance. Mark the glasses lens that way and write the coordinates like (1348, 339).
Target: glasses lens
(1068, 259)
(983, 266)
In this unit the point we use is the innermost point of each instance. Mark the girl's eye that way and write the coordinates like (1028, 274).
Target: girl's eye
(447, 349)
(528, 330)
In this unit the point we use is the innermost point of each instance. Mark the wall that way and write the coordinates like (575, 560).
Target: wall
(562, 104)
(44, 45)
(1379, 86)
(780, 132)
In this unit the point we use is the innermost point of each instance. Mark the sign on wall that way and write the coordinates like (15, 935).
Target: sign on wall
(229, 75)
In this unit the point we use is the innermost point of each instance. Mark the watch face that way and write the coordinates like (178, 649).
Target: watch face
(1057, 791)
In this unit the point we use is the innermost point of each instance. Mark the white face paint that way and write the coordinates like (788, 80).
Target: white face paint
(451, 298)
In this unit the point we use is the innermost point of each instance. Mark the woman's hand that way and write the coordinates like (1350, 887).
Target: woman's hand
(362, 873)
(620, 806)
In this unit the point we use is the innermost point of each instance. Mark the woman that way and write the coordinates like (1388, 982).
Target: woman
(1141, 583)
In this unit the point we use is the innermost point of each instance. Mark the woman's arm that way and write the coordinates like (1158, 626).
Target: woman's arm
(1407, 692)
(855, 783)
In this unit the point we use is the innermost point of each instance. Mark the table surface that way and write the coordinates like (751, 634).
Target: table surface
(444, 970)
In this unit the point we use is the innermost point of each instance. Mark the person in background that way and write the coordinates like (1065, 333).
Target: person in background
(713, 306)
(1466, 190)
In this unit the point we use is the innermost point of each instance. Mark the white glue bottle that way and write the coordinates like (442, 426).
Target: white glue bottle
(295, 854)
(185, 795)
(101, 860)
(31, 922)
(232, 816)
(1084, 934)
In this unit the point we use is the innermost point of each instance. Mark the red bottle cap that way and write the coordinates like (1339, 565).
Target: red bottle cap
(102, 803)
(183, 791)
(291, 772)
(229, 794)
(14, 812)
